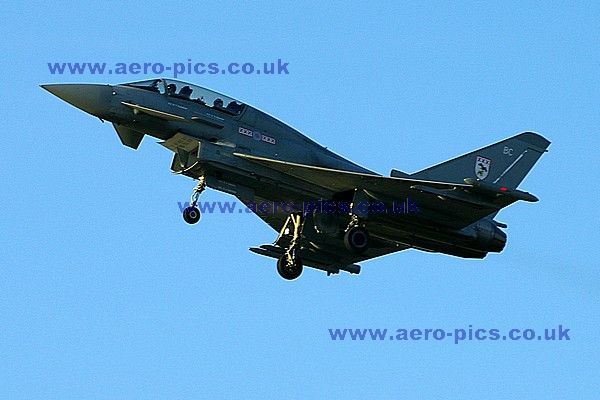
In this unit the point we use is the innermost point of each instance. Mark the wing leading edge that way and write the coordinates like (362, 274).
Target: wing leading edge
(455, 205)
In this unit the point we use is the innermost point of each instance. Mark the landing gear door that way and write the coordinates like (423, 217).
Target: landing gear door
(187, 152)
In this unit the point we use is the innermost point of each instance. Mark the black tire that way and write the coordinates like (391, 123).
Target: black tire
(191, 215)
(357, 240)
(289, 272)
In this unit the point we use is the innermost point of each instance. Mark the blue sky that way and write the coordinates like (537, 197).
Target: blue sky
(106, 293)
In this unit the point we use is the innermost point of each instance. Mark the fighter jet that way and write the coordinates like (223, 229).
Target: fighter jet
(332, 212)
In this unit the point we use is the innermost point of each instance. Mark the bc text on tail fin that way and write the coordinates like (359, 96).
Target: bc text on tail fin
(505, 163)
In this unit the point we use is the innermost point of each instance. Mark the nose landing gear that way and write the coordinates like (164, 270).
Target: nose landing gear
(191, 214)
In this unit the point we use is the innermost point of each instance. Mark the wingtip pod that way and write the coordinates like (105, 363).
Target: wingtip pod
(525, 196)
(495, 190)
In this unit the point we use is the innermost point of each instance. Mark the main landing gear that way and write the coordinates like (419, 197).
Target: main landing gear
(356, 239)
(191, 214)
(289, 264)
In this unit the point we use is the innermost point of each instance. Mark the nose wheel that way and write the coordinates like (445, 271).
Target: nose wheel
(191, 214)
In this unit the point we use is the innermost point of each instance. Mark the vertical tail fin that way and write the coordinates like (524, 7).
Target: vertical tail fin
(506, 162)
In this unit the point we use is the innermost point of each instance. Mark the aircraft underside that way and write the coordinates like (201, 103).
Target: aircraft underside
(232, 147)
(331, 243)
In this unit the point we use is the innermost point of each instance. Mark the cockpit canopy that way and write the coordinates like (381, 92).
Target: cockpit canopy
(191, 92)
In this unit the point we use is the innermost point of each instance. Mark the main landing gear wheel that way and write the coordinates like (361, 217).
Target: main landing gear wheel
(191, 215)
(357, 239)
(289, 264)
(289, 267)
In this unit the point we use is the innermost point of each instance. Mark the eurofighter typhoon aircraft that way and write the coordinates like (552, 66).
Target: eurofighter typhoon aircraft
(353, 214)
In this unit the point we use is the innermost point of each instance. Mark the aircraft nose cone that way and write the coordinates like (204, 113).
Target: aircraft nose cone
(91, 98)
